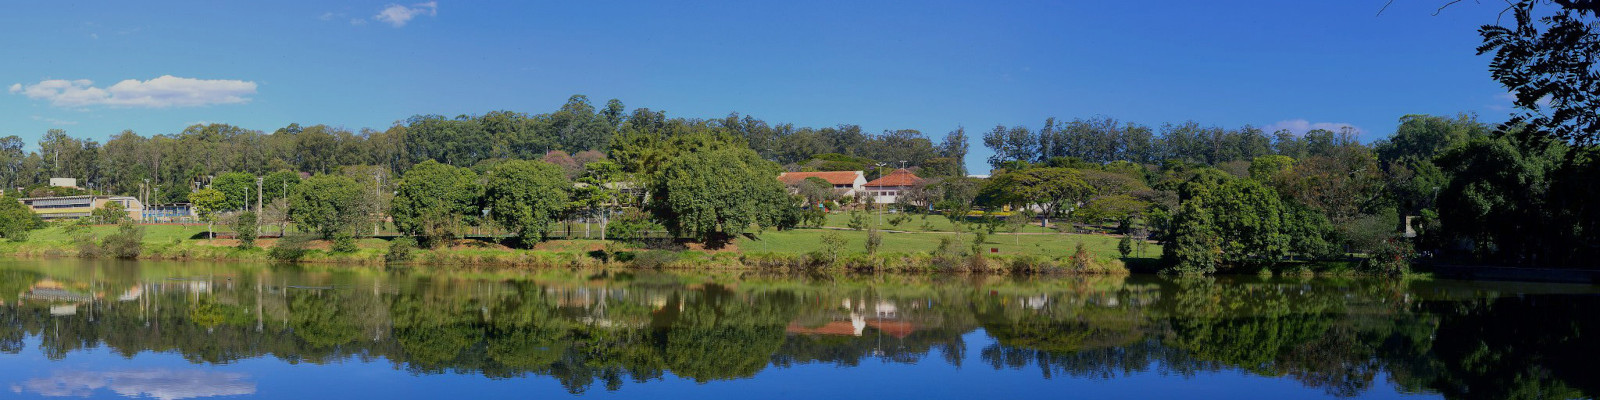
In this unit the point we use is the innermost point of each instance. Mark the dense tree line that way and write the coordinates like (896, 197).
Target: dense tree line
(169, 166)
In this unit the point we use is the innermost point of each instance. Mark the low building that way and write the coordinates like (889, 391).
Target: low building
(66, 207)
(845, 183)
(170, 212)
(888, 188)
(64, 182)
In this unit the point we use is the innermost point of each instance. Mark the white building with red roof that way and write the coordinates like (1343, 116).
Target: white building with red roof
(889, 188)
(845, 183)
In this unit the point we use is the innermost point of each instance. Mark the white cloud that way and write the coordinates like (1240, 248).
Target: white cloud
(399, 15)
(54, 121)
(328, 16)
(1301, 126)
(165, 91)
(158, 383)
(358, 21)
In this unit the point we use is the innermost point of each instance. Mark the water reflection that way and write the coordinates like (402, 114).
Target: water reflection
(162, 384)
(603, 330)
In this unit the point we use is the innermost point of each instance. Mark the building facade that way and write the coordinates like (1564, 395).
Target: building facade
(889, 188)
(66, 207)
(845, 183)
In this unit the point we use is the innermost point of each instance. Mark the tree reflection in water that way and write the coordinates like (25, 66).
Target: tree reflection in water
(1460, 340)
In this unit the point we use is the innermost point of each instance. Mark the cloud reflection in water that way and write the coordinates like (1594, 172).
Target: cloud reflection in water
(162, 384)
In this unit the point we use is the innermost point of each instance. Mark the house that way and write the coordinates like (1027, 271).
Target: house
(63, 207)
(845, 183)
(888, 188)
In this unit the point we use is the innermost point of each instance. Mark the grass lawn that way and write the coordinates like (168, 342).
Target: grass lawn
(152, 233)
(800, 241)
(935, 223)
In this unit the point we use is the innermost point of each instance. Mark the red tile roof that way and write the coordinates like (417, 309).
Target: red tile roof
(833, 177)
(900, 177)
(897, 329)
(838, 328)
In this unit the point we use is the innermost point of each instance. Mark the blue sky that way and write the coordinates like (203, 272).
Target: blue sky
(930, 66)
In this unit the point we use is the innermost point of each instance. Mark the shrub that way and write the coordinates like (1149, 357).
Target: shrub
(947, 256)
(632, 225)
(344, 242)
(899, 218)
(1081, 259)
(831, 243)
(978, 239)
(400, 249)
(127, 243)
(1391, 258)
(1125, 246)
(858, 220)
(246, 228)
(874, 240)
(290, 248)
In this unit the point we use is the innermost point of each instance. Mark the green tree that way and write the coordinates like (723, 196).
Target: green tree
(329, 205)
(238, 189)
(1549, 63)
(1049, 188)
(276, 185)
(16, 219)
(1249, 217)
(435, 200)
(1267, 168)
(245, 228)
(714, 195)
(599, 192)
(526, 197)
(111, 213)
(207, 202)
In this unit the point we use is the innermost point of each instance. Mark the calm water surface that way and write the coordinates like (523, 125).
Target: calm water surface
(180, 331)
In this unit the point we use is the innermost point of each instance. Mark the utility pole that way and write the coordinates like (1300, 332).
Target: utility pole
(377, 183)
(259, 181)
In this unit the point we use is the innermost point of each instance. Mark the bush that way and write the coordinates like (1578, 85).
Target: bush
(1125, 246)
(831, 243)
(290, 248)
(858, 220)
(400, 249)
(978, 240)
(1081, 259)
(127, 243)
(344, 242)
(899, 218)
(1391, 258)
(632, 225)
(947, 257)
(874, 240)
(246, 228)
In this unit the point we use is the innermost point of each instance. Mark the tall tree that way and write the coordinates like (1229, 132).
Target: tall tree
(716, 194)
(434, 201)
(331, 205)
(207, 203)
(526, 197)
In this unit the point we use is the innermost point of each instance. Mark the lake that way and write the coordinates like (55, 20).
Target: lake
(94, 329)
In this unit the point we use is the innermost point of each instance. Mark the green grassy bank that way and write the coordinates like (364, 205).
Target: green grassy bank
(793, 249)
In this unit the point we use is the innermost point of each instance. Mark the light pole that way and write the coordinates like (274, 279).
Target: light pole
(259, 182)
